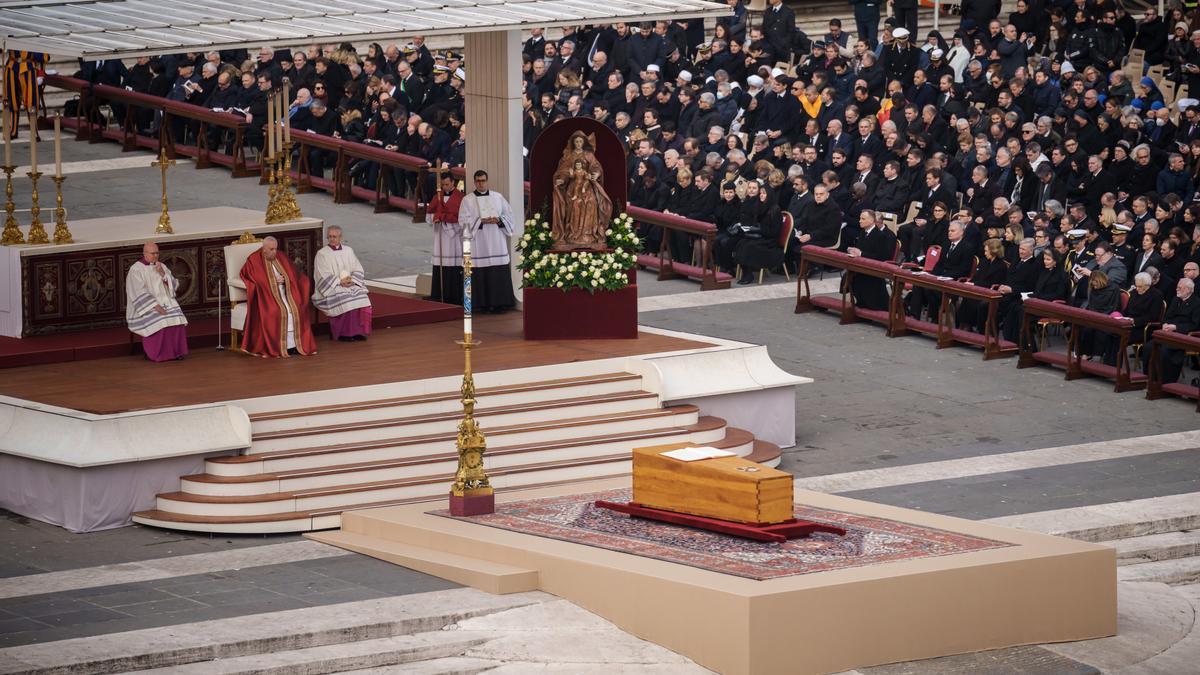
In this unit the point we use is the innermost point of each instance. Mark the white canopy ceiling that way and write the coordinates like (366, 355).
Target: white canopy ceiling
(120, 28)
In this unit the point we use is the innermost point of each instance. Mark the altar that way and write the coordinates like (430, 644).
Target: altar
(60, 288)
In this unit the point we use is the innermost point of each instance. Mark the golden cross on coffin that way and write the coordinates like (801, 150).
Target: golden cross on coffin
(164, 220)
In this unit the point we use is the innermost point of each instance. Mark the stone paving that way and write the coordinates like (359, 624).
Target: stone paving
(877, 403)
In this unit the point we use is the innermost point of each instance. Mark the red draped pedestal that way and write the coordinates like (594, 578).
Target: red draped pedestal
(576, 314)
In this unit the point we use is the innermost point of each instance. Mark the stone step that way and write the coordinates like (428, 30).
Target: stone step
(396, 652)
(454, 665)
(1112, 521)
(1178, 572)
(1156, 547)
(267, 633)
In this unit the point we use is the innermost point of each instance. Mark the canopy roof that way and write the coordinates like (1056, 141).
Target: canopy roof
(122, 28)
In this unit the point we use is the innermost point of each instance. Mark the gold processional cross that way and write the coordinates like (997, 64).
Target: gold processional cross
(164, 220)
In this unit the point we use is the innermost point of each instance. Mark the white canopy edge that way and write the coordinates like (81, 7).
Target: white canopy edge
(93, 29)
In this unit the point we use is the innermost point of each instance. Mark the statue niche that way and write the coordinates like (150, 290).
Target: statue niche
(582, 209)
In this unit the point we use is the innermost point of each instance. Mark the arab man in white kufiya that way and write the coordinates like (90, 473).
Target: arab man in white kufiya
(151, 309)
(487, 220)
(340, 289)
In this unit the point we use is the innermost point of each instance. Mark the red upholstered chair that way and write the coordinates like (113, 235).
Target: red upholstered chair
(971, 274)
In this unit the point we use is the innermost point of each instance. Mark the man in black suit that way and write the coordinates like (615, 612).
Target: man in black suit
(1183, 316)
(867, 142)
(111, 72)
(835, 137)
(936, 191)
(983, 191)
(1049, 187)
(955, 262)
(891, 193)
(865, 173)
(1092, 186)
(875, 242)
(778, 28)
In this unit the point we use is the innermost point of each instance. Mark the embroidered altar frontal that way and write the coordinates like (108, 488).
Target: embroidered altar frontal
(869, 540)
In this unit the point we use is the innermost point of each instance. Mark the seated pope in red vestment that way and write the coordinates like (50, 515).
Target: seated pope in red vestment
(278, 316)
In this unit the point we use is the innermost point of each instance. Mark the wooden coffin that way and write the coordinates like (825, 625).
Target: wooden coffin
(728, 488)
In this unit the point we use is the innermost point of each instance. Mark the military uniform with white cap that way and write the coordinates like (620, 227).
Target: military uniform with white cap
(900, 59)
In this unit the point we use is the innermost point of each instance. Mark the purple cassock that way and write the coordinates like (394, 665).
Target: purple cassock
(351, 323)
(167, 344)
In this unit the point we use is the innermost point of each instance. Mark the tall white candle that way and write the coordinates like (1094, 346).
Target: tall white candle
(32, 144)
(287, 115)
(58, 145)
(7, 141)
(466, 287)
(270, 130)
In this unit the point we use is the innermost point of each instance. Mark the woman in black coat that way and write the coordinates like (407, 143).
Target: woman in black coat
(1051, 285)
(759, 246)
(1103, 298)
(992, 271)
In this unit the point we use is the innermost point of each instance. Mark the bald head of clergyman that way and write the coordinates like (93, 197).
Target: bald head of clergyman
(150, 252)
(269, 248)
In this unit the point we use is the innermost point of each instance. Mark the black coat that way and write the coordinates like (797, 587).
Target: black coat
(823, 222)
(955, 263)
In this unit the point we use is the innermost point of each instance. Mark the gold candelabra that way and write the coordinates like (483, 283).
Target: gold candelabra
(12, 233)
(281, 201)
(37, 232)
(164, 219)
(62, 235)
(287, 198)
(471, 482)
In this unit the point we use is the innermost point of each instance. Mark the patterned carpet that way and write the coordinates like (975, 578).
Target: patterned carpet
(868, 540)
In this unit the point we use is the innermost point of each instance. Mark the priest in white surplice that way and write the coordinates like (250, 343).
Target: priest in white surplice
(151, 309)
(487, 220)
(341, 289)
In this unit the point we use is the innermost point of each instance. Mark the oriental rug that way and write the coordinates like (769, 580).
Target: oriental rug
(868, 541)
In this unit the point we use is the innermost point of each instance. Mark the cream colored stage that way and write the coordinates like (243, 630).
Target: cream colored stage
(1038, 589)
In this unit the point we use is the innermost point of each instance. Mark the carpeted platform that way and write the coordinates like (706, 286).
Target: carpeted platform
(868, 541)
(390, 311)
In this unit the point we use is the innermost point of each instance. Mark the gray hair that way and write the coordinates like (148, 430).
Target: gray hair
(1053, 206)
(331, 228)
(1000, 200)
(209, 67)
(708, 97)
(717, 129)
(1188, 283)
(793, 170)
(1152, 271)
(270, 238)
(1143, 278)
(1028, 241)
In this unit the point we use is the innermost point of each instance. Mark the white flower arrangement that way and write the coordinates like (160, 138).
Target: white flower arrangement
(589, 270)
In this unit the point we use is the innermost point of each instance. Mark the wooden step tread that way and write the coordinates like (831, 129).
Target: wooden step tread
(431, 438)
(455, 415)
(377, 485)
(739, 437)
(444, 396)
(764, 451)
(173, 517)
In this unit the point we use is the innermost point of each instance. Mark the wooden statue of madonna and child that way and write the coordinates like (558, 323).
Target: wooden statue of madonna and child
(579, 248)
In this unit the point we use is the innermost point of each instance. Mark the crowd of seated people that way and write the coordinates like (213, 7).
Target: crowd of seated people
(1021, 142)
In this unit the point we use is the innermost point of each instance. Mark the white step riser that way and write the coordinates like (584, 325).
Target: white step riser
(321, 460)
(437, 407)
(500, 482)
(299, 525)
(447, 426)
(448, 466)
(430, 491)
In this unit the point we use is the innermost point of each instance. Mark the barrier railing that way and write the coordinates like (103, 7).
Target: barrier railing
(1189, 343)
(944, 330)
(1076, 366)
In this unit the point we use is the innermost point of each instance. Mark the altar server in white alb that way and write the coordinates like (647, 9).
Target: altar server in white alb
(487, 220)
(341, 289)
(151, 309)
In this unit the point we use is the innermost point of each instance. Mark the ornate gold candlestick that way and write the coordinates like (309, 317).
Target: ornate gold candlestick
(37, 232)
(274, 210)
(471, 494)
(164, 219)
(12, 233)
(62, 235)
(289, 209)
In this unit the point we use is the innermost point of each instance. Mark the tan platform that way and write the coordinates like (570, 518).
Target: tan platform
(1041, 589)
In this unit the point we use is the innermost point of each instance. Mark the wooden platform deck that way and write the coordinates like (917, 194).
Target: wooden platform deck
(126, 383)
